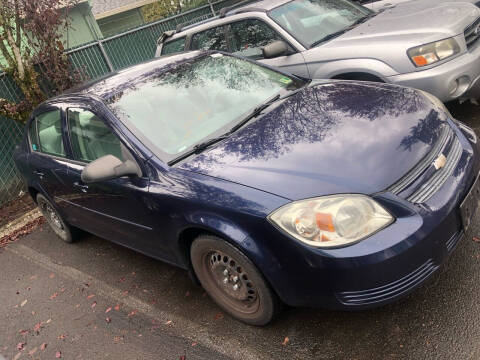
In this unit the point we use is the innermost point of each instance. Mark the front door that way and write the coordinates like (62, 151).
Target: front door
(115, 209)
(249, 36)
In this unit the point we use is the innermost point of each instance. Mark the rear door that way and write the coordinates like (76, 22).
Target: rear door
(47, 158)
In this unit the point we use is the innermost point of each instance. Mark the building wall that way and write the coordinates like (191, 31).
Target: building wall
(117, 23)
(84, 28)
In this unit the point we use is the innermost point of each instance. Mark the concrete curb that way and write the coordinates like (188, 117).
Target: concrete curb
(20, 222)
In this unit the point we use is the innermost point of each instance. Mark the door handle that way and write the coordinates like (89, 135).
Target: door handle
(39, 174)
(83, 188)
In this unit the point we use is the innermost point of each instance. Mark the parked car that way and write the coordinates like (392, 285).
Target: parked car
(421, 44)
(268, 188)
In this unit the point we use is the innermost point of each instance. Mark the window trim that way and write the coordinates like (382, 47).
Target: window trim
(33, 119)
(188, 44)
(172, 40)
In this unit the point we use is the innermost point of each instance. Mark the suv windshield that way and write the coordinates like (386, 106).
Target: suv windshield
(195, 100)
(312, 21)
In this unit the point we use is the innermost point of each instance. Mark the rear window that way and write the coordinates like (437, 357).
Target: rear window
(174, 46)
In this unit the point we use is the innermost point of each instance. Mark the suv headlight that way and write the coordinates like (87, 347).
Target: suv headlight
(431, 53)
(332, 221)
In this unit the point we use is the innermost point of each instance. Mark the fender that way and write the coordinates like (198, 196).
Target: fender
(329, 69)
(224, 228)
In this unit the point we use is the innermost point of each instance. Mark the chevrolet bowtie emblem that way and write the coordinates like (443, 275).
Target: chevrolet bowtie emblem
(440, 162)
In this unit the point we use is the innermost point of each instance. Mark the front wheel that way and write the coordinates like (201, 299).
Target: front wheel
(233, 281)
(55, 220)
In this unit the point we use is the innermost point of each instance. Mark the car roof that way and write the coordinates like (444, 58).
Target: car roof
(111, 84)
(248, 6)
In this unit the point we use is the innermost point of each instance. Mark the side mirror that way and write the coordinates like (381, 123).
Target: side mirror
(109, 167)
(275, 49)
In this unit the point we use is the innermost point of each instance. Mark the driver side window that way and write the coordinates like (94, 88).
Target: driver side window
(249, 36)
(90, 137)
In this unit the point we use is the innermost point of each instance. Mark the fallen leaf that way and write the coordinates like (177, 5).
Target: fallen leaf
(33, 277)
(43, 346)
(194, 344)
(33, 351)
(125, 293)
(108, 310)
(48, 321)
(90, 296)
(94, 304)
(23, 332)
(118, 339)
(285, 341)
(52, 275)
(58, 354)
(53, 296)
(108, 320)
(218, 316)
(23, 303)
(476, 239)
(20, 346)
(16, 357)
(33, 312)
(183, 357)
(62, 336)
(187, 294)
(38, 326)
(132, 313)
(117, 307)
(122, 279)
(168, 322)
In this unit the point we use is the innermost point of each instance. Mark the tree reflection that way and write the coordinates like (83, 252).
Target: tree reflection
(321, 111)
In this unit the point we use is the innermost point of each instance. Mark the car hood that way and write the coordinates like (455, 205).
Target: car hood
(335, 137)
(415, 23)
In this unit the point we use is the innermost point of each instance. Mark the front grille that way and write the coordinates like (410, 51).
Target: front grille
(386, 292)
(428, 188)
(453, 241)
(472, 33)
(412, 175)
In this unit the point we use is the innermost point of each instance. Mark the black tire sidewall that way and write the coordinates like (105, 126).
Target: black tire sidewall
(68, 238)
(268, 301)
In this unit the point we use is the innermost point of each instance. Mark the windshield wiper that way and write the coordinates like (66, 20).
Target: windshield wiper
(204, 145)
(257, 111)
(343, 31)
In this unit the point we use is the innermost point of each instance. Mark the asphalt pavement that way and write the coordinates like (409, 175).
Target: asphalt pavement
(97, 300)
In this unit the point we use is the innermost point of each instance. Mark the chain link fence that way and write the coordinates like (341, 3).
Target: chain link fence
(10, 135)
(94, 59)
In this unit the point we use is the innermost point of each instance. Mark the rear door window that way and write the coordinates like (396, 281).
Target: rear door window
(48, 135)
(211, 39)
(174, 46)
(249, 36)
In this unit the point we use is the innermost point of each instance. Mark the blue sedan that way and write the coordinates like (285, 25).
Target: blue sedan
(269, 189)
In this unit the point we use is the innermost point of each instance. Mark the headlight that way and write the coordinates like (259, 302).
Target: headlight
(431, 53)
(332, 221)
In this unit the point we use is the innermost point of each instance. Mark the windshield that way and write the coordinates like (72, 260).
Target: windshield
(198, 99)
(310, 21)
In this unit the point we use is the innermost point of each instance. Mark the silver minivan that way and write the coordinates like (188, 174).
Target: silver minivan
(425, 44)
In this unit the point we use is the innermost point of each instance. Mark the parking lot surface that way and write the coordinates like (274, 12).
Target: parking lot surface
(95, 300)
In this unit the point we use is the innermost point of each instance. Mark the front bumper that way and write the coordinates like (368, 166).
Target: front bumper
(461, 73)
(387, 265)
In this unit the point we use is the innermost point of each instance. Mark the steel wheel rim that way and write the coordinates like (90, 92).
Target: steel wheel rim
(231, 282)
(53, 218)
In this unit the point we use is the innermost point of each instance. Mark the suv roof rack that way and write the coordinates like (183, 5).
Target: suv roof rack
(223, 11)
(165, 36)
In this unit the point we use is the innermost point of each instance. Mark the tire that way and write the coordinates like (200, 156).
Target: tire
(57, 223)
(220, 266)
